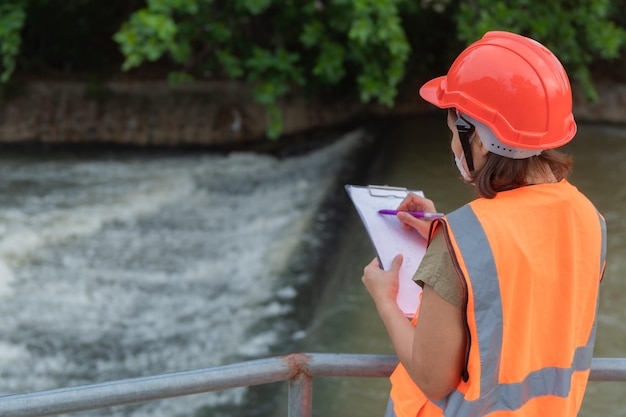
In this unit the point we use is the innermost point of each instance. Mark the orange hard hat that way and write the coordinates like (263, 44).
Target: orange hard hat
(512, 84)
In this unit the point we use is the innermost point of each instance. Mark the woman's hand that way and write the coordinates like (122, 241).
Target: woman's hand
(382, 285)
(414, 202)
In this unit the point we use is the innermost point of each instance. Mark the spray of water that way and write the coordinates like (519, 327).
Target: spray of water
(122, 267)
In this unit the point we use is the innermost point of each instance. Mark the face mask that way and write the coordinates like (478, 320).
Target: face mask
(459, 164)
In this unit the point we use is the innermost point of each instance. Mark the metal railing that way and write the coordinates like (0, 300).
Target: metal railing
(297, 368)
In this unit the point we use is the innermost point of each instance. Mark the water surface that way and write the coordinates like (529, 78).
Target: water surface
(121, 265)
(125, 264)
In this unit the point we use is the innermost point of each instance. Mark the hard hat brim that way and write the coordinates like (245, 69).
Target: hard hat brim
(431, 91)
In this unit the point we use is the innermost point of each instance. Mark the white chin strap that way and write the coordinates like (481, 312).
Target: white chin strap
(494, 145)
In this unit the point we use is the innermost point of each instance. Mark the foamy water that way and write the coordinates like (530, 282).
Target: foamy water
(114, 268)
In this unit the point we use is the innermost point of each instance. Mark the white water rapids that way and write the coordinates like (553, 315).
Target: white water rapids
(116, 266)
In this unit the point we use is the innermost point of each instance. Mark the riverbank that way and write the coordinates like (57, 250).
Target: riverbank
(219, 115)
(158, 114)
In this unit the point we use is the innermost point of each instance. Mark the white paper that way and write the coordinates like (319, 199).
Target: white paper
(390, 238)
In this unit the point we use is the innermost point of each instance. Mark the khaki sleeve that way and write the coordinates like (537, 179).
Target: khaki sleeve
(437, 270)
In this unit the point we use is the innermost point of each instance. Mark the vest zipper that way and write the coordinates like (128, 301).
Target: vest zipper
(465, 372)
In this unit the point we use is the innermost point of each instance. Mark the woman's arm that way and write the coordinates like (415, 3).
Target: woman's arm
(438, 346)
(433, 351)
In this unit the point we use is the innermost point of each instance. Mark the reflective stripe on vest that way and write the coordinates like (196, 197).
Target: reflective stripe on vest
(479, 261)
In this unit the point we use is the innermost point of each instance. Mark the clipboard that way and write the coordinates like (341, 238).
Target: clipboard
(389, 237)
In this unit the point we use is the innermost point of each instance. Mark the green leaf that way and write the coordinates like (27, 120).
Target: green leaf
(231, 64)
(312, 34)
(329, 65)
(275, 121)
(12, 19)
(253, 7)
(179, 77)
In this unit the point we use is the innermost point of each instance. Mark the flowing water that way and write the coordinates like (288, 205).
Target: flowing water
(125, 264)
(116, 265)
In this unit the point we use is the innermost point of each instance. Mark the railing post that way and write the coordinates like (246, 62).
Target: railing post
(300, 396)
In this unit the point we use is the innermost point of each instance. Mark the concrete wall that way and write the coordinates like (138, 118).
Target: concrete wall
(201, 113)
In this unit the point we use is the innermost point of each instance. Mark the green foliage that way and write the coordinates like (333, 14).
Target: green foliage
(12, 18)
(579, 32)
(276, 44)
(359, 49)
(147, 36)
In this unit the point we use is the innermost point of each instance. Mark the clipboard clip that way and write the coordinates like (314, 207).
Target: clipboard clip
(387, 191)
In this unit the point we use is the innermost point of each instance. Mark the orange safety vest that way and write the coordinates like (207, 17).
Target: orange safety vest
(530, 261)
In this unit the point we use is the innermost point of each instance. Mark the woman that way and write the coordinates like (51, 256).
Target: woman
(506, 323)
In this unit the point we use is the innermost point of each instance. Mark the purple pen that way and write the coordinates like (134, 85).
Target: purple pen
(418, 214)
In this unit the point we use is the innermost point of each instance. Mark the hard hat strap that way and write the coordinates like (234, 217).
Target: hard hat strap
(466, 134)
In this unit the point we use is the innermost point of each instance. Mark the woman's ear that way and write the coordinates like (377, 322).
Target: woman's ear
(479, 144)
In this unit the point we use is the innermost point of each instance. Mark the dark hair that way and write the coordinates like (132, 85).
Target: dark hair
(500, 173)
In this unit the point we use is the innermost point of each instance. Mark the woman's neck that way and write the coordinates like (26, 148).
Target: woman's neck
(543, 176)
